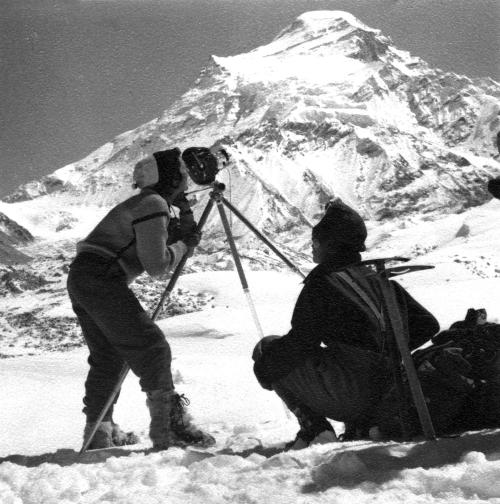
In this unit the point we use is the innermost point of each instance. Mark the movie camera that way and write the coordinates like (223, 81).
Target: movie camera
(203, 163)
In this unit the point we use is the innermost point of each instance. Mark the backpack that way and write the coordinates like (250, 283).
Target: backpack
(460, 378)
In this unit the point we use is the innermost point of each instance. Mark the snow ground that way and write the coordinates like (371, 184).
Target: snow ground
(41, 402)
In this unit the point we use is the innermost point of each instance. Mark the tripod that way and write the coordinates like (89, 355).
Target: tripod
(216, 198)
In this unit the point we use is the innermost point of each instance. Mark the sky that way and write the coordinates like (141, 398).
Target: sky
(76, 73)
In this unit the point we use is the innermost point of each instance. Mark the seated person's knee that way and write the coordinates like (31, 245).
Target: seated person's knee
(261, 346)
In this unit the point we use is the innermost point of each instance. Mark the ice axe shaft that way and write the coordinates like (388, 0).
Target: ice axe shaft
(400, 335)
(399, 332)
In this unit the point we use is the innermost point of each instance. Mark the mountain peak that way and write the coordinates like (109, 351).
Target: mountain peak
(317, 30)
(321, 22)
(319, 46)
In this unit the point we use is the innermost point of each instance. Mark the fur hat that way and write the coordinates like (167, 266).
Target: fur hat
(169, 175)
(341, 224)
(494, 187)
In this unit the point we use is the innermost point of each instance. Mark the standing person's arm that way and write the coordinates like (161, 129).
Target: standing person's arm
(151, 232)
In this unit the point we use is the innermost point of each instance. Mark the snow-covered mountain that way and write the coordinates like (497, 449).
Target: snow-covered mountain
(328, 108)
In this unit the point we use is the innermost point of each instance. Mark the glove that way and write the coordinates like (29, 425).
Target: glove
(192, 239)
(174, 231)
(261, 366)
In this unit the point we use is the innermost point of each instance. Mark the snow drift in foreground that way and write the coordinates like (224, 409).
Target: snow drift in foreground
(41, 401)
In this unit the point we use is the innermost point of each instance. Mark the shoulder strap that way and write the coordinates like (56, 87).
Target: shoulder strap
(365, 298)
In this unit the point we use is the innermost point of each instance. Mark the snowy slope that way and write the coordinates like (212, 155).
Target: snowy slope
(212, 366)
(34, 303)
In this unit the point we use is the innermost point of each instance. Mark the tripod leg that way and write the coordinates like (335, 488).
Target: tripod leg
(262, 237)
(243, 280)
(399, 335)
(239, 266)
(166, 293)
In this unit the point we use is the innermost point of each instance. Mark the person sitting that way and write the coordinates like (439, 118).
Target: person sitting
(333, 362)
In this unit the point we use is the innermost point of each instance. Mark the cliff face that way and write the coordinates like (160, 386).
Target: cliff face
(12, 235)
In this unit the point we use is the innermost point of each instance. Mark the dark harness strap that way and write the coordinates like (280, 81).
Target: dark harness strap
(364, 296)
(149, 217)
(378, 313)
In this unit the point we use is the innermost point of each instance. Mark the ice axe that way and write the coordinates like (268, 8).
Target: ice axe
(396, 333)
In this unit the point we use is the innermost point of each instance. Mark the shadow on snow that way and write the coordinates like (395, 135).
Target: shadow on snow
(67, 457)
(346, 465)
(377, 463)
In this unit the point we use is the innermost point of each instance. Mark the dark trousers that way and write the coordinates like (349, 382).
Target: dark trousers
(117, 330)
(341, 382)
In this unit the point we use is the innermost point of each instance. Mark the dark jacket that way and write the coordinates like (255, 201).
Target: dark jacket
(324, 315)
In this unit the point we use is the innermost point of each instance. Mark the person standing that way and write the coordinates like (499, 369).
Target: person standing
(131, 239)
